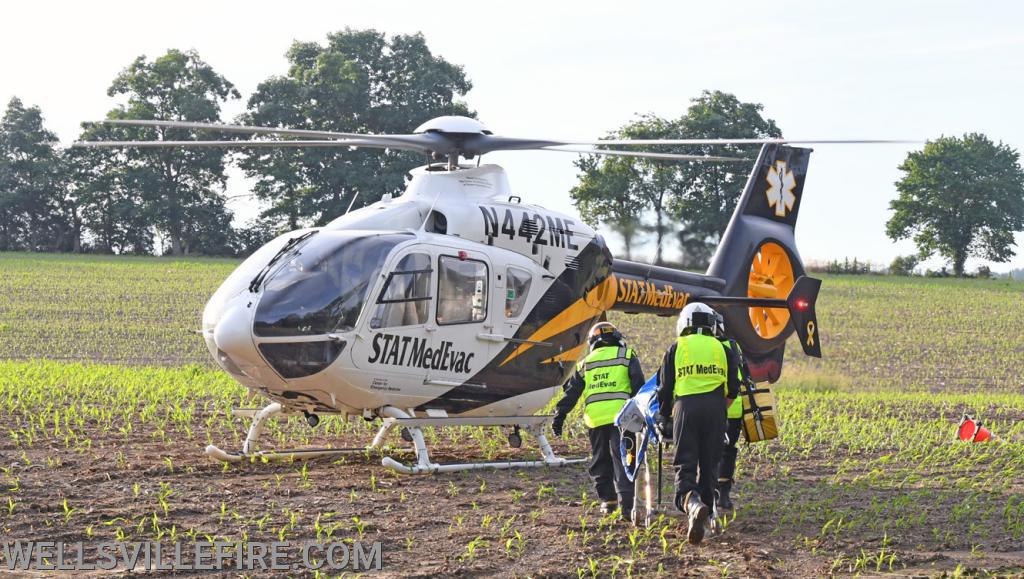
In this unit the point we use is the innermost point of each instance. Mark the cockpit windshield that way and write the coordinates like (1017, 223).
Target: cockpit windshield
(322, 287)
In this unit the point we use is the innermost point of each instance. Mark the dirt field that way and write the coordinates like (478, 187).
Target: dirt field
(819, 500)
(863, 480)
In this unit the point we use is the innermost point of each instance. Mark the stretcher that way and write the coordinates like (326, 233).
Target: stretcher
(654, 488)
(643, 456)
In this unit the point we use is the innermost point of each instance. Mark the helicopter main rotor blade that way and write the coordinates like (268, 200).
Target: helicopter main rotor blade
(358, 143)
(466, 144)
(230, 128)
(665, 156)
(426, 142)
(648, 142)
(349, 143)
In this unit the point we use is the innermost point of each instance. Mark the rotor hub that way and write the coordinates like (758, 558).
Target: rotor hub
(453, 125)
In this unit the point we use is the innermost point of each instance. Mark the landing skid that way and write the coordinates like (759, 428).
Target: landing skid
(249, 453)
(531, 424)
(412, 430)
(277, 456)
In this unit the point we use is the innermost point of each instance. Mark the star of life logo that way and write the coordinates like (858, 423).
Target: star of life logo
(780, 191)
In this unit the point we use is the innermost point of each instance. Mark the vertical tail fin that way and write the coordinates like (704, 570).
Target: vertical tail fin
(758, 258)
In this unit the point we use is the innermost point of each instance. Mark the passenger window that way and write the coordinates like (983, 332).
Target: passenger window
(517, 287)
(462, 291)
(405, 298)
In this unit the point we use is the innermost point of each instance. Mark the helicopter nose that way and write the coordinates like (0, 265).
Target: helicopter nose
(233, 336)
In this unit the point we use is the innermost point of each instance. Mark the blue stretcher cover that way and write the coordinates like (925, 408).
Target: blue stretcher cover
(639, 416)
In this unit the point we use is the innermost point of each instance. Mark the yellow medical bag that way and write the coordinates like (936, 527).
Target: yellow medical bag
(759, 421)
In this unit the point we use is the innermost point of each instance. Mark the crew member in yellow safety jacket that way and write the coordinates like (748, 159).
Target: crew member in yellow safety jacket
(605, 379)
(696, 383)
(734, 423)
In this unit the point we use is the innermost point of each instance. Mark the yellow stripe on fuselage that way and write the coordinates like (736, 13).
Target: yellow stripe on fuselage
(568, 356)
(597, 301)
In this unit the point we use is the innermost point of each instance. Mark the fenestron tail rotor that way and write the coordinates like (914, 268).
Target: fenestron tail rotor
(771, 276)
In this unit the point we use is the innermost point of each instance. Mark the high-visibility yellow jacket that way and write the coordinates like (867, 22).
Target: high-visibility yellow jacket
(700, 364)
(605, 379)
(606, 384)
(736, 408)
(696, 363)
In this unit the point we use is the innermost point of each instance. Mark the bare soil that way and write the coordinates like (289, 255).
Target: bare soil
(426, 523)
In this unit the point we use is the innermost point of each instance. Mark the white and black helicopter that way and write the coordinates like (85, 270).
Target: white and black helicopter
(457, 303)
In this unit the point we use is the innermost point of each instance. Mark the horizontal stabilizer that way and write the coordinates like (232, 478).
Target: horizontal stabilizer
(800, 304)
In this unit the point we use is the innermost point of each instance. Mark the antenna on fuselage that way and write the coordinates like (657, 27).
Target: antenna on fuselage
(352, 202)
(423, 226)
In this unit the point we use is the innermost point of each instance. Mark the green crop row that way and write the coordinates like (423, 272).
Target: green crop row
(878, 333)
(884, 333)
(132, 310)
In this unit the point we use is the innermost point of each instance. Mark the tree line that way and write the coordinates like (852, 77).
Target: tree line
(171, 200)
(959, 197)
(686, 203)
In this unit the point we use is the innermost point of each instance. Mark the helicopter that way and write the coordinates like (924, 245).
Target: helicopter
(457, 303)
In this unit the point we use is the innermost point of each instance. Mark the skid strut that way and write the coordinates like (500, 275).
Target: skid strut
(259, 416)
(533, 425)
(412, 430)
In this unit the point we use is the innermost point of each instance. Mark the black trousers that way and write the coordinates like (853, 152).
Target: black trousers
(606, 468)
(698, 429)
(729, 451)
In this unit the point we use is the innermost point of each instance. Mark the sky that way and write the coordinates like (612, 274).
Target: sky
(829, 70)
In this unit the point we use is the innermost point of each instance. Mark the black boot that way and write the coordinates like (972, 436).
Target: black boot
(627, 508)
(697, 513)
(724, 500)
(608, 507)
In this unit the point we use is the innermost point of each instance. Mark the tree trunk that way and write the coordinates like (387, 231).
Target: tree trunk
(175, 244)
(958, 263)
(77, 237)
(293, 212)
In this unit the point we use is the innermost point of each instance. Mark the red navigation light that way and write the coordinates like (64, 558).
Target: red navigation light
(801, 305)
(463, 255)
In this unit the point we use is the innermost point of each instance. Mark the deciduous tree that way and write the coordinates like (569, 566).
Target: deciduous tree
(359, 81)
(112, 212)
(960, 197)
(708, 192)
(699, 196)
(611, 187)
(31, 183)
(182, 188)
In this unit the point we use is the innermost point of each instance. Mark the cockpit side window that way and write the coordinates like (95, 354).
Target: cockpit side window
(517, 288)
(405, 298)
(461, 291)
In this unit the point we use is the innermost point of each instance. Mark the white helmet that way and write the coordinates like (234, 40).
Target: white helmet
(604, 332)
(698, 315)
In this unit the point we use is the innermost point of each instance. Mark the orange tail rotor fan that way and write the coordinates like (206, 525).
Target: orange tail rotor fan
(771, 276)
